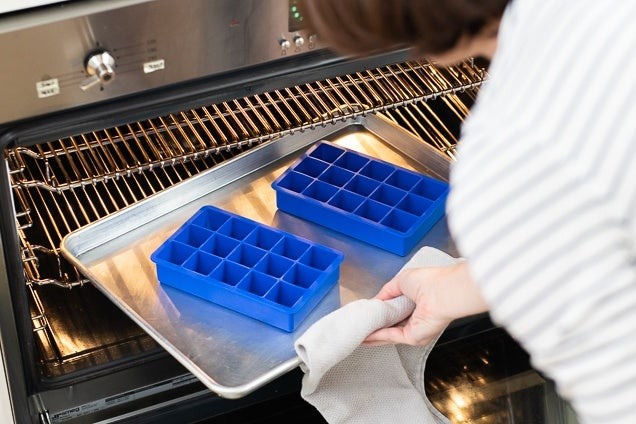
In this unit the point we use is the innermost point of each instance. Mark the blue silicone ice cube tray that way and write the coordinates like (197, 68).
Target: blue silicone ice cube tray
(363, 197)
(257, 270)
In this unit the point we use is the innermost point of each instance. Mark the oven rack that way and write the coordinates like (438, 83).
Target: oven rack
(87, 159)
(64, 184)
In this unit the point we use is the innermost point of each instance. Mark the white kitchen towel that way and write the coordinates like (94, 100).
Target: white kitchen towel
(349, 383)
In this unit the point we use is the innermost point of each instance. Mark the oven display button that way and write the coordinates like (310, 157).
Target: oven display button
(299, 40)
(284, 43)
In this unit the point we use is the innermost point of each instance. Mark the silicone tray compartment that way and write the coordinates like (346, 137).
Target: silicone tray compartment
(363, 197)
(251, 268)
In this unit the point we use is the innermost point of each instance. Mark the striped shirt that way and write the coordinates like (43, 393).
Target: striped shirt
(543, 203)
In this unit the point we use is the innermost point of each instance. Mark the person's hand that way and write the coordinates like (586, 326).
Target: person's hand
(440, 294)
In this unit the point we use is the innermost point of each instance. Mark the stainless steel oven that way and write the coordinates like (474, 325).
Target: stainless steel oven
(114, 115)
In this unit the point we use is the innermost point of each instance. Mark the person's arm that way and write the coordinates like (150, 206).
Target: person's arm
(441, 294)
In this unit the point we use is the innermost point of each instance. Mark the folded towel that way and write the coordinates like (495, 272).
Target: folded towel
(349, 383)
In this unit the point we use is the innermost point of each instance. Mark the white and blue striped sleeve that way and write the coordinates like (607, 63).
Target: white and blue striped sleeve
(543, 203)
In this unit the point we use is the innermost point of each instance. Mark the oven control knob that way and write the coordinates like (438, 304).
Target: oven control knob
(284, 44)
(100, 68)
(299, 41)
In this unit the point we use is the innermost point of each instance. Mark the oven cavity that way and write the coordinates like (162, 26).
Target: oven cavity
(62, 185)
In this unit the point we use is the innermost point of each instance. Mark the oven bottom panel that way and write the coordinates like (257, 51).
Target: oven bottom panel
(161, 391)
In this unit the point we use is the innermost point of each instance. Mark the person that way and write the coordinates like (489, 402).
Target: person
(543, 191)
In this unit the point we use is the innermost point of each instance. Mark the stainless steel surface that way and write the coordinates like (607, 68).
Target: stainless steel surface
(231, 354)
(155, 43)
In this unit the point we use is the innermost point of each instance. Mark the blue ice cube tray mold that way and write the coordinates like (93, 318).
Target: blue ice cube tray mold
(363, 197)
(260, 271)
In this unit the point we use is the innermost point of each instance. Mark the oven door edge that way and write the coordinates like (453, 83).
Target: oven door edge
(12, 362)
(6, 410)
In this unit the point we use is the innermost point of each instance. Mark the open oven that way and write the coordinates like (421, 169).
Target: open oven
(116, 114)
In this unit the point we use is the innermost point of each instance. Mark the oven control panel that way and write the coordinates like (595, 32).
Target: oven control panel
(72, 54)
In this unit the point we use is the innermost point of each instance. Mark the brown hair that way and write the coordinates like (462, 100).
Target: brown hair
(366, 26)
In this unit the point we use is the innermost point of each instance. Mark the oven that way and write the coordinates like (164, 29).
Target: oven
(115, 115)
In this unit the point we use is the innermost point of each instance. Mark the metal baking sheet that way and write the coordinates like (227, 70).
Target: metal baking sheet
(232, 354)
